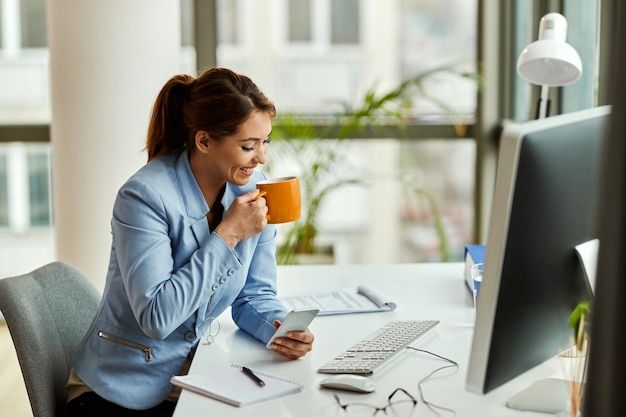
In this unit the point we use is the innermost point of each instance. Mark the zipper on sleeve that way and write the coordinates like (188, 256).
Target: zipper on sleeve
(145, 349)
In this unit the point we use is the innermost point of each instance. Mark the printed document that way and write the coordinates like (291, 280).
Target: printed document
(363, 299)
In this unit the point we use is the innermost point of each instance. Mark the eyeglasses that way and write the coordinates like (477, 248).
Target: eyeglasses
(395, 407)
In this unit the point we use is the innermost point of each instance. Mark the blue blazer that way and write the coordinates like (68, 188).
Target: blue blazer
(165, 266)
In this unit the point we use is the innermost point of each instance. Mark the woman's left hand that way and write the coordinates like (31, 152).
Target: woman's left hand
(295, 345)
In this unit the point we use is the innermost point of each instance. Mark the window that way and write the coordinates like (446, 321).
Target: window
(323, 22)
(344, 22)
(4, 193)
(25, 200)
(227, 28)
(438, 187)
(328, 55)
(583, 34)
(187, 23)
(319, 56)
(33, 23)
(39, 187)
(299, 21)
(438, 33)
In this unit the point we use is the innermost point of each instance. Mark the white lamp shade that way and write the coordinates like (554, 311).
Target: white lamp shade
(550, 60)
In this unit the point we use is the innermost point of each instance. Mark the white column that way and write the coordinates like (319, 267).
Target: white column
(108, 60)
(381, 46)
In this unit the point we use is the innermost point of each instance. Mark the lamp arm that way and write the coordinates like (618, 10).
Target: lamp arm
(543, 109)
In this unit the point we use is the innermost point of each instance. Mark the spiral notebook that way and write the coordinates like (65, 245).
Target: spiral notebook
(231, 385)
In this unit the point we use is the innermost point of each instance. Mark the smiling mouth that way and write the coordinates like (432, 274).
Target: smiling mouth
(247, 169)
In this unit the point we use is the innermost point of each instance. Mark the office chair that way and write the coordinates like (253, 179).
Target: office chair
(47, 312)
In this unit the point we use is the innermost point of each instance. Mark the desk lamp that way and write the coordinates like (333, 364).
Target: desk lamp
(549, 61)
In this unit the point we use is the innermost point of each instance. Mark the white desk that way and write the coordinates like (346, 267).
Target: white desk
(422, 291)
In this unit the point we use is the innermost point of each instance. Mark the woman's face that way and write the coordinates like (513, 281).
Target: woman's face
(234, 158)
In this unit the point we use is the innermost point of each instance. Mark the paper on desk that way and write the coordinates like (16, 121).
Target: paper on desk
(363, 299)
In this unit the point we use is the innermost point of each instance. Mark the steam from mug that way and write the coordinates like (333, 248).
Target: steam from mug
(283, 199)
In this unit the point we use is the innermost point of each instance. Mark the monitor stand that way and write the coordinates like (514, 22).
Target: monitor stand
(545, 396)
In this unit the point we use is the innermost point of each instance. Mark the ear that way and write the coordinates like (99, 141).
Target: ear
(203, 141)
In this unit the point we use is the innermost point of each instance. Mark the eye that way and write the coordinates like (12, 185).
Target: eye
(252, 148)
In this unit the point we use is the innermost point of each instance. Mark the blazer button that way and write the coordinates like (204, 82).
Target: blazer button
(223, 280)
(215, 287)
(190, 336)
(231, 272)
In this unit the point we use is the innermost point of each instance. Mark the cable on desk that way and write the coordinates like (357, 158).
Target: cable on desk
(434, 407)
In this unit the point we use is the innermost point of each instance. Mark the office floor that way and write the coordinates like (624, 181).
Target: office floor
(13, 397)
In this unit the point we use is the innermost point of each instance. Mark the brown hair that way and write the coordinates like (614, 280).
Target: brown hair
(217, 102)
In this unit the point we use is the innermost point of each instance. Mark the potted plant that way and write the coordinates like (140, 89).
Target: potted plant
(322, 162)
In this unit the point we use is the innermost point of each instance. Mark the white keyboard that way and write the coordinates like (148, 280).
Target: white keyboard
(379, 348)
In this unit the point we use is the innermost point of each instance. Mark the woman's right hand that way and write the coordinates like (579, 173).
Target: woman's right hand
(246, 217)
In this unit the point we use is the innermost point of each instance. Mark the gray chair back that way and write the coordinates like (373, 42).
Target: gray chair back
(48, 311)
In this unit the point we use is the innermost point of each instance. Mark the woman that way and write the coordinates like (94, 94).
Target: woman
(190, 238)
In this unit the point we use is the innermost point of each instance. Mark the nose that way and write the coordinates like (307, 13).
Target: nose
(259, 157)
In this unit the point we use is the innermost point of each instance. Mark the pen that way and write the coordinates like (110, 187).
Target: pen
(251, 374)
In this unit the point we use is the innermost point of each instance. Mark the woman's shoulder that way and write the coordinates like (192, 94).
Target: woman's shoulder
(157, 178)
(157, 170)
(165, 163)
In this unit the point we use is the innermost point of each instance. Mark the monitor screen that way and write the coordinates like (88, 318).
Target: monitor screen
(543, 207)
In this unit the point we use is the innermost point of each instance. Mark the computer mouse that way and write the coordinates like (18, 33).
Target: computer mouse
(349, 382)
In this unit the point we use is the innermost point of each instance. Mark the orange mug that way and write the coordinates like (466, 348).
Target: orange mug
(283, 199)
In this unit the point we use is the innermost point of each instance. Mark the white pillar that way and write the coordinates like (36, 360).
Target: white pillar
(108, 60)
(381, 46)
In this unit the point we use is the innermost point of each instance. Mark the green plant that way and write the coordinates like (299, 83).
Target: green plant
(322, 170)
(580, 321)
(321, 173)
(322, 163)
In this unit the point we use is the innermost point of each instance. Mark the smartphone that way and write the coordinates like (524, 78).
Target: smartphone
(296, 321)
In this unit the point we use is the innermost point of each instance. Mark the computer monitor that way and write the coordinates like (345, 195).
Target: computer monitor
(543, 207)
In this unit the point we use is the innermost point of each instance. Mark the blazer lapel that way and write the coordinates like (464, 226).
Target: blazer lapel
(195, 204)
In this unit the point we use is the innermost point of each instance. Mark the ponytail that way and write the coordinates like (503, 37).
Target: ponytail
(167, 131)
